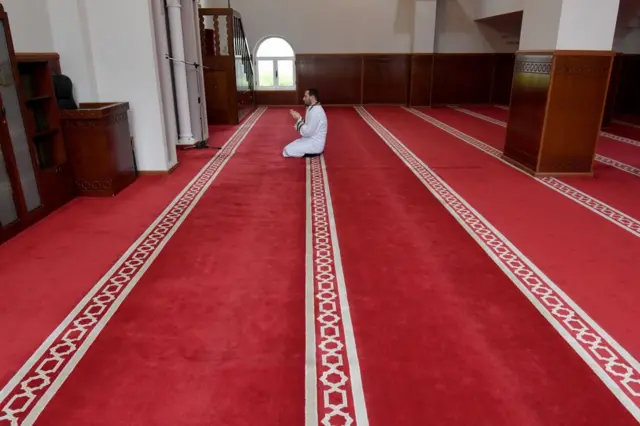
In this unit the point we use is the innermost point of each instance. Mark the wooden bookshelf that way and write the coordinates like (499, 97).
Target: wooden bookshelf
(43, 126)
(21, 203)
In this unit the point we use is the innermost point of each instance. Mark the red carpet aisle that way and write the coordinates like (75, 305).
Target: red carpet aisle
(607, 147)
(213, 334)
(443, 336)
(589, 258)
(610, 184)
(72, 263)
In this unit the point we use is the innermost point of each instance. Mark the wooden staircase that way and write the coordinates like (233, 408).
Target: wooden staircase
(228, 66)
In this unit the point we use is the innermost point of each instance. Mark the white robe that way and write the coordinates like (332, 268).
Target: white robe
(313, 130)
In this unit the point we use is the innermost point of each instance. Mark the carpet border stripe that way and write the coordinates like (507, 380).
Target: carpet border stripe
(311, 379)
(627, 168)
(52, 363)
(607, 358)
(330, 324)
(598, 207)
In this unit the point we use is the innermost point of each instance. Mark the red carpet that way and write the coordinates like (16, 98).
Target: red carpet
(609, 185)
(436, 321)
(616, 128)
(607, 147)
(279, 292)
(47, 270)
(214, 331)
(591, 259)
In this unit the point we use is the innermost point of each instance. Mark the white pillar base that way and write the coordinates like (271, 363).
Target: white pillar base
(186, 141)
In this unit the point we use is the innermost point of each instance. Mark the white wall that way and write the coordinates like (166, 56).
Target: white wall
(126, 70)
(540, 24)
(568, 25)
(368, 26)
(327, 26)
(424, 25)
(108, 49)
(587, 28)
(458, 32)
(34, 36)
(489, 8)
(72, 40)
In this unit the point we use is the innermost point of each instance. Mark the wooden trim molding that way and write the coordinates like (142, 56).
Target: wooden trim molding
(158, 172)
(37, 57)
(584, 53)
(535, 52)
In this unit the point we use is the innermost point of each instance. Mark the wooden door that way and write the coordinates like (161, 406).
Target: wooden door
(20, 201)
(217, 96)
(10, 198)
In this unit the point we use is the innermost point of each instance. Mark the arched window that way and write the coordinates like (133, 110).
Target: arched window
(276, 64)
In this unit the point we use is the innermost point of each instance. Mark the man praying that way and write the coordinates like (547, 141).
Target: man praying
(312, 129)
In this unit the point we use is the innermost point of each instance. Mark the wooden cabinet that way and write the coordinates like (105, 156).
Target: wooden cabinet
(98, 139)
(228, 66)
(20, 197)
(35, 177)
(43, 126)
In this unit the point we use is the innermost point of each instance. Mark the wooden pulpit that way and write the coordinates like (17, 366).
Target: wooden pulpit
(98, 140)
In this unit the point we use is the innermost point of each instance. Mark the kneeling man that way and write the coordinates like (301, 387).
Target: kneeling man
(312, 129)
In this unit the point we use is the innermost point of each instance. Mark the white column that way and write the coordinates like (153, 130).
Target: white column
(166, 84)
(180, 73)
(195, 76)
(568, 25)
(424, 26)
(589, 26)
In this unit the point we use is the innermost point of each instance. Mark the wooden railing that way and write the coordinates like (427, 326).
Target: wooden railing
(215, 31)
(222, 34)
(244, 61)
(225, 49)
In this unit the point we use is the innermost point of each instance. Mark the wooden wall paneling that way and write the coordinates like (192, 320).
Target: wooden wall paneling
(612, 90)
(462, 78)
(421, 79)
(337, 77)
(628, 98)
(361, 80)
(278, 97)
(220, 89)
(385, 79)
(531, 82)
(246, 103)
(574, 111)
(420, 83)
(502, 78)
